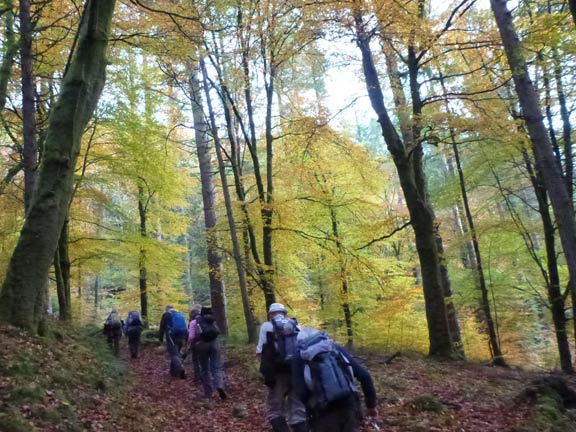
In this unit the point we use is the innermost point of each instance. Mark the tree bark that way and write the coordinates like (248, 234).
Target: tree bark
(251, 329)
(30, 140)
(10, 50)
(217, 289)
(62, 271)
(552, 279)
(407, 162)
(544, 156)
(344, 286)
(497, 357)
(26, 279)
(142, 270)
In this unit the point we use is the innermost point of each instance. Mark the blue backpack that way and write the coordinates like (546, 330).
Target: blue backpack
(178, 327)
(328, 376)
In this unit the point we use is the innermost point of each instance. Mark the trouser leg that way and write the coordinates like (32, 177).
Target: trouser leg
(196, 365)
(204, 360)
(216, 366)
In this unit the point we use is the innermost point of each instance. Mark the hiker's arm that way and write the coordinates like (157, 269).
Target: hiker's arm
(298, 383)
(261, 338)
(362, 375)
(192, 333)
(162, 328)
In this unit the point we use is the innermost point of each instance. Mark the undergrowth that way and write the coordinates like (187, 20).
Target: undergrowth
(60, 382)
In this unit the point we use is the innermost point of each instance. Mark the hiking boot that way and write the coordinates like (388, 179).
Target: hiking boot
(279, 425)
(222, 393)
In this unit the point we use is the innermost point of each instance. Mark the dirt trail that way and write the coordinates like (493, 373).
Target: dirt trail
(158, 402)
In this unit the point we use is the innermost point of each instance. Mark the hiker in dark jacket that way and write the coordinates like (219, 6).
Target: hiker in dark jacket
(133, 327)
(284, 410)
(204, 338)
(334, 405)
(113, 331)
(165, 323)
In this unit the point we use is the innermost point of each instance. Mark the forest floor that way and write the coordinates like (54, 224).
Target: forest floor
(71, 383)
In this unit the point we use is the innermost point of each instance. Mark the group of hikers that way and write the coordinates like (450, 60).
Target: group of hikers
(310, 379)
(115, 327)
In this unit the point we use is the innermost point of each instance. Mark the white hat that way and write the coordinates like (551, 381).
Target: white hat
(277, 307)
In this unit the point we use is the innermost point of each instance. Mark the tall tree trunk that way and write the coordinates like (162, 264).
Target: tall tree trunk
(572, 4)
(208, 197)
(344, 287)
(235, 161)
(10, 50)
(497, 357)
(142, 270)
(552, 279)
(467, 250)
(566, 128)
(251, 329)
(26, 279)
(30, 144)
(476, 258)
(266, 271)
(62, 271)
(408, 165)
(544, 156)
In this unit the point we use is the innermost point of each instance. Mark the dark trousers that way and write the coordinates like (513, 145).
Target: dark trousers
(210, 362)
(114, 336)
(134, 343)
(175, 342)
(196, 364)
(340, 420)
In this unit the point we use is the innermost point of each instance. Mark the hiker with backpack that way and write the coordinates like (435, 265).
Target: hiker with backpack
(277, 347)
(204, 340)
(173, 326)
(323, 379)
(133, 327)
(113, 331)
(190, 348)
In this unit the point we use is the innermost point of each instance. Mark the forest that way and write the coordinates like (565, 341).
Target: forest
(398, 173)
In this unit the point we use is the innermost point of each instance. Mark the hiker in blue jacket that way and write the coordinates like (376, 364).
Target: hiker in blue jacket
(323, 379)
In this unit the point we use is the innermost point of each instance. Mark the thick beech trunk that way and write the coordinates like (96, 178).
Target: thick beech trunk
(545, 161)
(22, 301)
(30, 140)
(408, 162)
(208, 197)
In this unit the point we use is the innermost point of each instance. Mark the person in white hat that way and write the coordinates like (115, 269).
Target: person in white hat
(278, 338)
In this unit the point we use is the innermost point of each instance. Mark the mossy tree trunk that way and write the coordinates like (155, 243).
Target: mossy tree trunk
(22, 300)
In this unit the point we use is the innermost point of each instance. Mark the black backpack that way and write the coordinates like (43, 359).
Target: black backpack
(206, 328)
(328, 375)
(286, 335)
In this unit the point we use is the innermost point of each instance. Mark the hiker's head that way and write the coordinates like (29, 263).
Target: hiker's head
(194, 311)
(114, 311)
(276, 309)
(169, 308)
(206, 310)
(306, 333)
